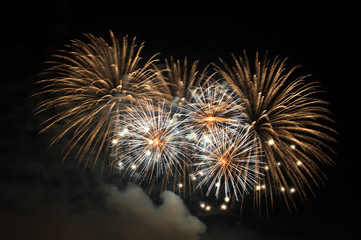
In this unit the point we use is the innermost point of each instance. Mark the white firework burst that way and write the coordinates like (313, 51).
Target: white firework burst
(149, 142)
(228, 163)
(213, 107)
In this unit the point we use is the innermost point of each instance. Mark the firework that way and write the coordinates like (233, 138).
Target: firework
(149, 143)
(178, 78)
(213, 106)
(90, 83)
(227, 165)
(288, 121)
(256, 128)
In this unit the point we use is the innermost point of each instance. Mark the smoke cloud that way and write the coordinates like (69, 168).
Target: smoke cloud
(128, 214)
(141, 219)
(43, 199)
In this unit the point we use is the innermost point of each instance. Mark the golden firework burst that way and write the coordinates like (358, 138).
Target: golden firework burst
(288, 120)
(88, 84)
(178, 78)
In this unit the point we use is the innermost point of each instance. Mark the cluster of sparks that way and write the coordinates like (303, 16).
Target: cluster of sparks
(241, 129)
(149, 139)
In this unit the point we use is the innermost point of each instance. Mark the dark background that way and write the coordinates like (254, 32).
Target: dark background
(322, 39)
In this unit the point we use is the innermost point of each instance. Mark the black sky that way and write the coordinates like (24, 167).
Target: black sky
(322, 39)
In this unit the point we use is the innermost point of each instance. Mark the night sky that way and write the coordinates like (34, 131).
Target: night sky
(42, 198)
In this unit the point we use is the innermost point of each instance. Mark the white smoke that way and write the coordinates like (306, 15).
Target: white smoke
(141, 219)
(123, 215)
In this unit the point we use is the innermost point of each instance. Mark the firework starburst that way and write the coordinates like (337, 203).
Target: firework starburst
(178, 78)
(213, 106)
(88, 84)
(228, 165)
(254, 127)
(288, 122)
(149, 142)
